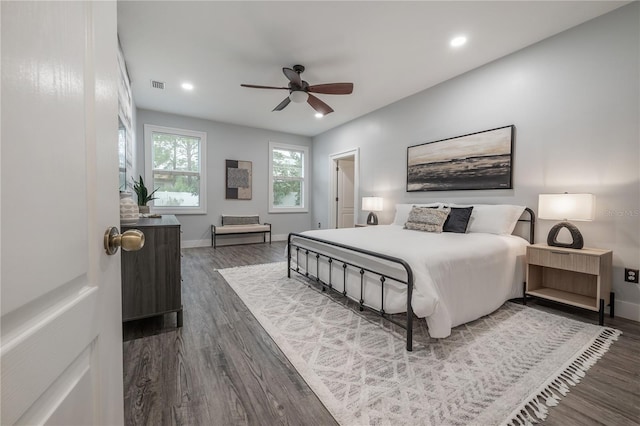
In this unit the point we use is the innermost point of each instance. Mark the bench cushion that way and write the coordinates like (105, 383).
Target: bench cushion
(240, 220)
(237, 229)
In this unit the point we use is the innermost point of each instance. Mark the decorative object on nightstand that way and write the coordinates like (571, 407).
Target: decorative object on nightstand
(372, 204)
(580, 278)
(566, 207)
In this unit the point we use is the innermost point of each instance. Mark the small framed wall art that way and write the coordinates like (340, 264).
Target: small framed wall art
(481, 160)
(238, 180)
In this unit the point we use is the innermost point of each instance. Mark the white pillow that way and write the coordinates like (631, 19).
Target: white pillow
(498, 219)
(402, 211)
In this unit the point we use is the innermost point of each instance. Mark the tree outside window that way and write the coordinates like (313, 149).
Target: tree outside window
(288, 178)
(288, 174)
(176, 174)
(177, 158)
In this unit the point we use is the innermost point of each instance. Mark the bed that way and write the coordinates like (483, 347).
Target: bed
(448, 278)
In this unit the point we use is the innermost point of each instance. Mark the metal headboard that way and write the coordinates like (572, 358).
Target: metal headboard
(532, 224)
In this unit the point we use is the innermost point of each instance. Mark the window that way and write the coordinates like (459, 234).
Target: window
(175, 166)
(288, 178)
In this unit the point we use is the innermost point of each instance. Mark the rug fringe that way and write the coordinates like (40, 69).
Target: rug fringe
(535, 410)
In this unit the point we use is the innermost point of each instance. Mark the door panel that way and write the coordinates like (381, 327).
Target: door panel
(75, 384)
(61, 350)
(77, 387)
(35, 93)
(34, 359)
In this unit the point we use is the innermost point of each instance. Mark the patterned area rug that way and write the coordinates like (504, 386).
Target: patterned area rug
(505, 368)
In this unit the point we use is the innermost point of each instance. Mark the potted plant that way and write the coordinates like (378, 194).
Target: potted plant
(143, 194)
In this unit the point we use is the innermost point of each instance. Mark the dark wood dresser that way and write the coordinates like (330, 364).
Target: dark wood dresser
(151, 280)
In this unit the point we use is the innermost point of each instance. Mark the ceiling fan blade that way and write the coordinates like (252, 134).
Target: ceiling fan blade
(282, 104)
(262, 87)
(318, 105)
(332, 88)
(293, 76)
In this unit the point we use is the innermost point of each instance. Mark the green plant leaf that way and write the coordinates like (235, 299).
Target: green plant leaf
(142, 192)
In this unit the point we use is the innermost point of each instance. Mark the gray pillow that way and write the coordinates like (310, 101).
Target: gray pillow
(427, 219)
(458, 220)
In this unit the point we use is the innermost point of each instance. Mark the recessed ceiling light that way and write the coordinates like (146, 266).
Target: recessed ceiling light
(458, 41)
(319, 115)
(187, 86)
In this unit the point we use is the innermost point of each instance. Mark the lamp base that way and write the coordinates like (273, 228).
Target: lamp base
(576, 237)
(372, 219)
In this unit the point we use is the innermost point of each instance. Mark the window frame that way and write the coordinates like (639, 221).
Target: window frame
(149, 129)
(304, 208)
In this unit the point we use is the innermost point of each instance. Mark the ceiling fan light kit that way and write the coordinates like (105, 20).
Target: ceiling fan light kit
(299, 96)
(300, 91)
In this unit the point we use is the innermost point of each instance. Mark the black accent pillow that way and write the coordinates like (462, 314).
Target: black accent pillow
(458, 220)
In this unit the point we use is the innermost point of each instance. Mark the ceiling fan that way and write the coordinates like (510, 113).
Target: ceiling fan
(300, 91)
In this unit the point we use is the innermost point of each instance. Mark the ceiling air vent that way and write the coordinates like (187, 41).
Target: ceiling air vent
(157, 84)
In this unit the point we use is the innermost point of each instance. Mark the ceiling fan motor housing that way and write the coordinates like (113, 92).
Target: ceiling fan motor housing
(293, 86)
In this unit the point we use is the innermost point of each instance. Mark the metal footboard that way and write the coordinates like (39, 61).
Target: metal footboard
(299, 251)
(304, 252)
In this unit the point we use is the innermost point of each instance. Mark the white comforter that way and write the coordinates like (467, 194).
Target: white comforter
(457, 277)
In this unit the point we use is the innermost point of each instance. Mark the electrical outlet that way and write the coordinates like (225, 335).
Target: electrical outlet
(319, 225)
(631, 275)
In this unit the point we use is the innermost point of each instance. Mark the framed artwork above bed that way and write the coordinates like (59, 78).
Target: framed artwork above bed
(481, 160)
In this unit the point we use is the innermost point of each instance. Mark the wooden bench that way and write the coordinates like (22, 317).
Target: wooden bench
(240, 225)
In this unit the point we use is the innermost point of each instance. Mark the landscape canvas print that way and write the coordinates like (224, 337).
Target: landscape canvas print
(476, 161)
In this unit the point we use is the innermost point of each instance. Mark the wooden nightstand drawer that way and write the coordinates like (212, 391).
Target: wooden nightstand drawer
(559, 258)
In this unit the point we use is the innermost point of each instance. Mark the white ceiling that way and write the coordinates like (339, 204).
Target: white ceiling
(389, 50)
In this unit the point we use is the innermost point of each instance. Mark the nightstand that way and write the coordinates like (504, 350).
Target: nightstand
(580, 278)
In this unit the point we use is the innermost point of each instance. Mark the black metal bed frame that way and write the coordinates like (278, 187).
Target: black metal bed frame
(362, 270)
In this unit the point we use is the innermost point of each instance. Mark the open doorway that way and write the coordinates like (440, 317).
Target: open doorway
(343, 202)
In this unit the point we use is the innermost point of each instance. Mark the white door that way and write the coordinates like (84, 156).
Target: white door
(345, 205)
(61, 349)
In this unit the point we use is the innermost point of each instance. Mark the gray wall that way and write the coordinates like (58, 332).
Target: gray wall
(228, 141)
(574, 99)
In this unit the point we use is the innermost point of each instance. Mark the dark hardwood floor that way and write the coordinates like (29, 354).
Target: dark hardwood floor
(222, 368)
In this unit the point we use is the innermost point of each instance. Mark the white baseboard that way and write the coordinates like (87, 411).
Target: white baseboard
(196, 243)
(627, 310)
(207, 242)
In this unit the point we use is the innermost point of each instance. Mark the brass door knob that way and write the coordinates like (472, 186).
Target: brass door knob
(131, 240)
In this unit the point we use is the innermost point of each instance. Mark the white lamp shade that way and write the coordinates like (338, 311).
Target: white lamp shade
(372, 204)
(299, 96)
(567, 206)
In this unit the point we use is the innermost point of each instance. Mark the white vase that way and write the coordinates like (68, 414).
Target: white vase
(128, 208)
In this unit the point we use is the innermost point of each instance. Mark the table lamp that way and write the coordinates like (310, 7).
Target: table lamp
(566, 207)
(372, 204)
